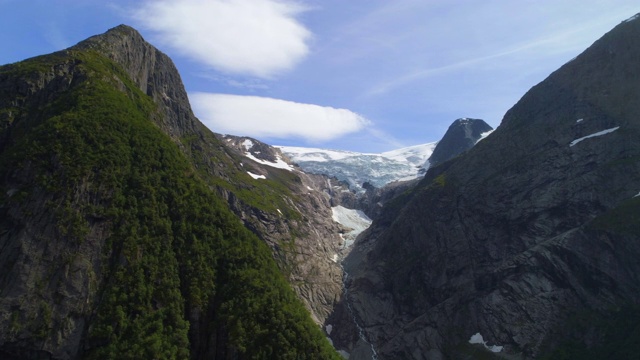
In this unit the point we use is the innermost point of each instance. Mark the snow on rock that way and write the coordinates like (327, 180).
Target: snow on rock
(634, 17)
(328, 329)
(599, 133)
(248, 144)
(637, 195)
(255, 176)
(355, 220)
(280, 164)
(579, 121)
(478, 339)
(484, 135)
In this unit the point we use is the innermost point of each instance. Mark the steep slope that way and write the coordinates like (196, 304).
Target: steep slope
(461, 136)
(293, 221)
(528, 241)
(113, 243)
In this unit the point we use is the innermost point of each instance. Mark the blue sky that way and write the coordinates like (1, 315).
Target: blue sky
(361, 75)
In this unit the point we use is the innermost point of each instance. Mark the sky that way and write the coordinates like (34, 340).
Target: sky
(359, 75)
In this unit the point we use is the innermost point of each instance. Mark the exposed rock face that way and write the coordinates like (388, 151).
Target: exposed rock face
(534, 226)
(461, 136)
(52, 244)
(308, 247)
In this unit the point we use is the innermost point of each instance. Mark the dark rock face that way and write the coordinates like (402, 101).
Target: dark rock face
(461, 136)
(535, 225)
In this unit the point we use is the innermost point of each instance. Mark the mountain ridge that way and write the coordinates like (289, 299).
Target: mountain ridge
(517, 238)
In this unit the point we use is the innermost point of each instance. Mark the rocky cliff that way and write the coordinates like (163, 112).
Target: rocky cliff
(116, 238)
(525, 246)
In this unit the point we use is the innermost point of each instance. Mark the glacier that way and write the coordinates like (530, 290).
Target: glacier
(358, 168)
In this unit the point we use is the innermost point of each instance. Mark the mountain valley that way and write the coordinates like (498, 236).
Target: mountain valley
(130, 230)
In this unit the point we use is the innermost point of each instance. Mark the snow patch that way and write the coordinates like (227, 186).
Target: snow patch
(599, 133)
(634, 17)
(484, 135)
(248, 144)
(328, 329)
(356, 220)
(478, 339)
(309, 188)
(579, 121)
(255, 176)
(280, 212)
(334, 258)
(637, 195)
(280, 164)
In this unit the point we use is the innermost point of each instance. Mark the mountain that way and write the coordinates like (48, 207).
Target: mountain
(461, 136)
(358, 168)
(119, 228)
(526, 245)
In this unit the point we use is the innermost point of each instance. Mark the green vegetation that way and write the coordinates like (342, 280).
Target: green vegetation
(266, 195)
(174, 248)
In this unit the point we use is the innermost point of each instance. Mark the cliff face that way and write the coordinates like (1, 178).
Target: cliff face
(294, 221)
(115, 240)
(529, 238)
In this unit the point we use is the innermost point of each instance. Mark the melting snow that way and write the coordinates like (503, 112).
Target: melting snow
(255, 176)
(477, 339)
(355, 220)
(280, 164)
(248, 144)
(599, 133)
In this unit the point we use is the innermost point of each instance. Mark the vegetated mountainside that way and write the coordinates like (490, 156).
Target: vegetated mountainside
(529, 241)
(293, 221)
(114, 239)
(461, 136)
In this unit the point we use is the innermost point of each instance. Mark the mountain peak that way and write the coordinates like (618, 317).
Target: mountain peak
(153, 72)
(462, 134)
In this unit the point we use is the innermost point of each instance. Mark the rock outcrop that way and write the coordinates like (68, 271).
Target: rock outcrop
(528, 240)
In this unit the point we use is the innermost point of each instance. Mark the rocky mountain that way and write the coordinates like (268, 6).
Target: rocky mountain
(526, 245)
(117, 236)
(461, 136)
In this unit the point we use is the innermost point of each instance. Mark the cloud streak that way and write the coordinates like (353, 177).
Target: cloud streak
(250, 37)
(262, 117)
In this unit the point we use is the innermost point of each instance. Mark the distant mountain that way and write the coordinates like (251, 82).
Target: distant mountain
(359, 168)
(525, 246)
(461, 136)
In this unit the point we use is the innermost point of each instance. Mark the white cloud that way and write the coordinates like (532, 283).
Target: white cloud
(266, 117)
(251, 37)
